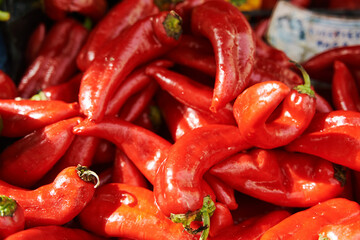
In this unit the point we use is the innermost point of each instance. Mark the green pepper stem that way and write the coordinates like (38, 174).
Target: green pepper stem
(340, 174)
(321, 237)
(172, 25)
(237, 3)
(7, 206)
(87, 175)
(39, 97)
(165, 5)
(306, 87)
(4, 16)
(88, 23)
(202, 214)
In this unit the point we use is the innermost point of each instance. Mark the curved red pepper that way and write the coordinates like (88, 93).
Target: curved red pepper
(345, 95)
(120, 17)
(334, 136)
(7, 86)
(120, 210)
(59, 201)
(179, 187)
(128, 137)
(124, 171)
(280, 177)
(27, 160)
(221, 219)
(190, 92)
(94, 9)
(55, 62)
(252, 228)
(320, 66)
(34, 43)
(234, 46)
(270, 114)
(21, 117)
(12, 217)
(307, 224)
(345, 230)
(145, 40)
(54, 233)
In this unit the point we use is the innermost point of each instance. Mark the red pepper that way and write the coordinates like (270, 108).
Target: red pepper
(94, 9)
(81, 151)
(55, 62)
(190, 92)
(281, 177)
(346, 4)
(12, 217)
(120, 17)
(128, 137)
(234, 46)
(179, 188)
(224, 193)
(345, 93)
(341, 231)
(252, 228)
(145, 40)
(26, 161)
(137, 103)
(320, 66)
(34, 43)
(270, 114)
(7, 86)
(334, 136)
(135, 82)
(59, 201)
(54, 233)
(124, 171)
(105, 152)
(67, 91)
(120, 210)
(307, 224)
(221, 219)
(21, 117)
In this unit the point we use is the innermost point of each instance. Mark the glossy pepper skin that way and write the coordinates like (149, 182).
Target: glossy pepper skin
(334, 136)
(58, 202)
(282, 178)
(53, 232)
(252, 228)
(115, 211)
(270, 114)
(179, 188)
(128, 137)
(307, 224)
(21, 117)
(7, 86)
(146, 40)
(34, 43)
(120, 17)
(12, 217)
(347, 230)
(345, 94)
(233, 42)
(27, 160)
(55, 62)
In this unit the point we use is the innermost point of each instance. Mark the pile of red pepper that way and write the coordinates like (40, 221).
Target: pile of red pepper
(176, 120)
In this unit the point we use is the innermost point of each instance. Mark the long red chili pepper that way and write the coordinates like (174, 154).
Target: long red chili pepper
(8, 89)
(252, 228)
(58, 202)
(190, 92)
(281, 177)
(345, 95)
(128, 137)
(124, 171)
(346, 230)
(26, 161)
(12, 217)
(221, 219)
(334, 136)
(34, 43)
(120, 210)
(179, 188)
(55, 62)
(120, 17)
(145, 40)
(234, 47)
(270, 114)
(21, 117)
(53, 232)
(307, 224)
